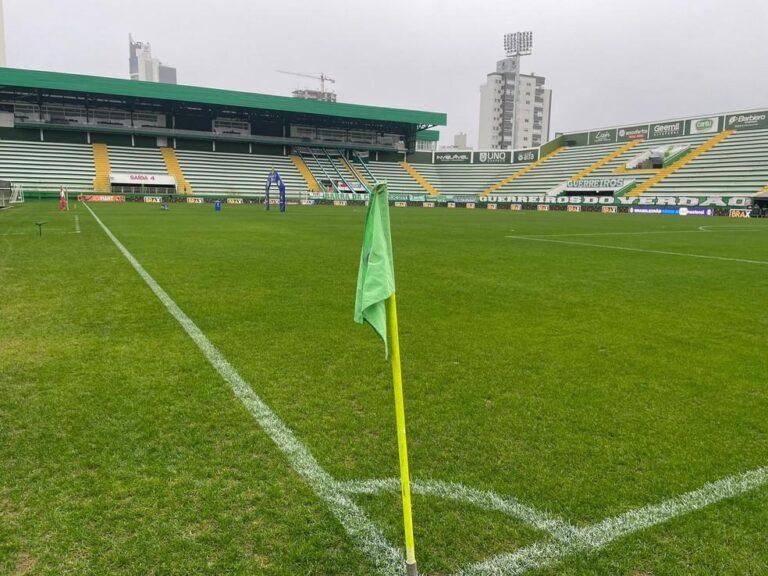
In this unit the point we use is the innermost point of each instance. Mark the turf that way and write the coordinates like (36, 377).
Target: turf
(582, 380)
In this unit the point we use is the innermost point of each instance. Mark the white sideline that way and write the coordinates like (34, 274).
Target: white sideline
(486, 500)
(608, 233)
(77, 224)
(651, 232)
(590, 245)
(387, 559)
(599, 535)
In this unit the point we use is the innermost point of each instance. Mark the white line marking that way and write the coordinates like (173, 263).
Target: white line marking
(608, 233)
(487, 500)
(590, 245)
(77, 224)
(599, 535)
(387, 559)
(708, 228)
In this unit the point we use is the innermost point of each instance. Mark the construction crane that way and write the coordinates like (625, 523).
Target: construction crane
(323, 78)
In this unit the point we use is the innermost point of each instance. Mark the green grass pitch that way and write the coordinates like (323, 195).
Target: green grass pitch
(580, 366)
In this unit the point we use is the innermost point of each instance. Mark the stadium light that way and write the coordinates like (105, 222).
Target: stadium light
(518, 43)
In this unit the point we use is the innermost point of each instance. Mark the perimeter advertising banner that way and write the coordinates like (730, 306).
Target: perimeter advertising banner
(706, 125)
(748, 121)
(492, 157)
(667, 129)
(643, 200)
(627, 133)
(526, 156)
(453, 157)
(603, 136)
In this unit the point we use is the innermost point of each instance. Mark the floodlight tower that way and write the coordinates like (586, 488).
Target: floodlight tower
(517, 44)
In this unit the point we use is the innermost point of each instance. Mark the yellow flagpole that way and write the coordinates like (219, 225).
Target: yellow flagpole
(402, 445)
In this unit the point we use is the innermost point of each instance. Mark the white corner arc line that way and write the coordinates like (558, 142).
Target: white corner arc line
(643, 250)
(387, 559)
(486, 500)
(592, 538)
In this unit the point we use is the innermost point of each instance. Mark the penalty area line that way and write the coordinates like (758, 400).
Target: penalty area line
(593, 538)
(486, 500)
(642, 250)
(387, 559)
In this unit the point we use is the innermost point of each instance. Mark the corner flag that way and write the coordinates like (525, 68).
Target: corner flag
(375, 304)
(376, 277)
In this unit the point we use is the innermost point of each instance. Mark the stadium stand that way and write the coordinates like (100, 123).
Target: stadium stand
(45, 167)
(216, 142)
(738, 165)
(399, 180)
(328, 167)
(556, 170)
(228, 173)
(125, 160)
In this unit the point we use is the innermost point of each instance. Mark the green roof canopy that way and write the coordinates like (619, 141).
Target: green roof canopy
(35, 79)
(428, 135)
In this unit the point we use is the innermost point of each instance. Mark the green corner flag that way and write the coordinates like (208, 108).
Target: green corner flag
(376, 277)
(375, 303)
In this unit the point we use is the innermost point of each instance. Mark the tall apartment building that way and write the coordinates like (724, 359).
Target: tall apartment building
(143, 67)
(502, 128)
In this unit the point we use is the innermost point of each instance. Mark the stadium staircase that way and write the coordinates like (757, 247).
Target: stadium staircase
(46, 166)
(503, 185)
(174, 169)
(237, 173)
(464, 179)
(674, 167)
(362, 167)
(355, 173)
(605, 160)
(327, 167)
(738, 164)
(400, 182)
(423, 182)
(101, 165)
(312, 184)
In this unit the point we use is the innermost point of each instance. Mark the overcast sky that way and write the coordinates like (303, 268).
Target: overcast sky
(606, 61)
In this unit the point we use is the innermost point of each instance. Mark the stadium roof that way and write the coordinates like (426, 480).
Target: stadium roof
(428, 135)
(35, 79)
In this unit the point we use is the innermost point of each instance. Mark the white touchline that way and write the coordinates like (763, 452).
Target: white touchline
(487, 500)
(77, 224)
(608, 233)
(590, 245)
(650, 232)
(727, 228)
(387, 559)
(599, 535)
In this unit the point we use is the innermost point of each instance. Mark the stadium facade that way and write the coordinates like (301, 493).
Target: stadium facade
(121, 140)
